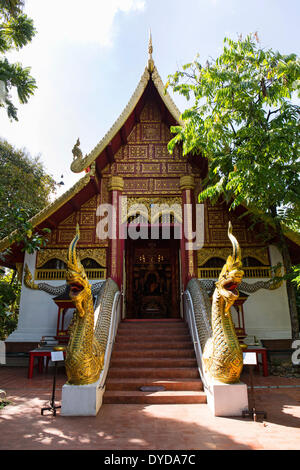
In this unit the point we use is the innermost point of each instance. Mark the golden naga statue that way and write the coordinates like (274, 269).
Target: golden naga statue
(84, 355)
(222, 355)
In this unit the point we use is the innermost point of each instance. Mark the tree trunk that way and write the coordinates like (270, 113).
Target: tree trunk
(291, 291)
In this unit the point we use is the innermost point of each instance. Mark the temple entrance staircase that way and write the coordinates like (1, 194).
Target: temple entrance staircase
(153, 353)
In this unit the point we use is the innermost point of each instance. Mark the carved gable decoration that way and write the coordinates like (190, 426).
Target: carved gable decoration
(216, 219)
(144, 161)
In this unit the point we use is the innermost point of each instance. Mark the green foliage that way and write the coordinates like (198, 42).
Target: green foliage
(243, 120)
(10, 289)
(16, 31)
(296, 275)
(25, 189)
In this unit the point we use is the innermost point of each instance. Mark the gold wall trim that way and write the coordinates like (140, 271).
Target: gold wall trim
(60, 274)
(260, 253)
(255, 272)
(163, 204)
(97, 254)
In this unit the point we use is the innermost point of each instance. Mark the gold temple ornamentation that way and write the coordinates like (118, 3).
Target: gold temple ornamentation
(253, 272)
(28, 281)
(116, 183)
(153, 207)
(97, 254)
(84, 355)
(260, 253)
(222, 356)
(187, 182)
(60, 274)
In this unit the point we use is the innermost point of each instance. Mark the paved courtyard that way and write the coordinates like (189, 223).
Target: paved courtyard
(145, 427)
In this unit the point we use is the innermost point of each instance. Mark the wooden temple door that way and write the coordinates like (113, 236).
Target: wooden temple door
(152, 273)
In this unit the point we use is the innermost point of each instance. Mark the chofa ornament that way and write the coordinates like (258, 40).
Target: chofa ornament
(222, 356)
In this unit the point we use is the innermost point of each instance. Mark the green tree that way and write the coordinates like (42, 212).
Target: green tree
(10, 289)
(16, 31)
(25, 189)
(244, 120)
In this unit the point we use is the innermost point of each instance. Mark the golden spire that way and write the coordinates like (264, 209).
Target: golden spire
(150, 50)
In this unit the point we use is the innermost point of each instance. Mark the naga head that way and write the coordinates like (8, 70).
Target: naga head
(231, 275)
(76, 277)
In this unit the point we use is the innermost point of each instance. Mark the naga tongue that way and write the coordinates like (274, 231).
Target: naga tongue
(232, 287)
(76, 287)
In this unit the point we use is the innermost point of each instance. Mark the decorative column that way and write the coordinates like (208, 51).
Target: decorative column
(116, 243)
(188, 255)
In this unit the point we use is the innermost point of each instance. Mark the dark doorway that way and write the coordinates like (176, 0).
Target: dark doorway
(152, 279)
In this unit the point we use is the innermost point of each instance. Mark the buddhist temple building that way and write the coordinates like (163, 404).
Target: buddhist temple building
(131, 171)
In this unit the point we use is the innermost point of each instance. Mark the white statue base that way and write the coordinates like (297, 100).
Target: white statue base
(227, 399)
(81, 400)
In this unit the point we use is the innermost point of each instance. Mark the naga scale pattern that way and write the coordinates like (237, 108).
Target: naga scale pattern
(86, 347)
(222, 355)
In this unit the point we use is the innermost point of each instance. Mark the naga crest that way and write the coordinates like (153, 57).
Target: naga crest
(76, 277)
(231, 275)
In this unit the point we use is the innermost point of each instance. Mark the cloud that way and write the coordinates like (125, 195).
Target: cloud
(79, 22)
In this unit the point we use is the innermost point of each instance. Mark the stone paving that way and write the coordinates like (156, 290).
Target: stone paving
(145, 427)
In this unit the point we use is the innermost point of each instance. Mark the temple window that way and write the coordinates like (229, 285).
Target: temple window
(89, 263)
(250, 262)
(54, 263)
(214, 263)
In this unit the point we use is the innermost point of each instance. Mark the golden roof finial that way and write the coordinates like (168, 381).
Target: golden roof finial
(150, 50)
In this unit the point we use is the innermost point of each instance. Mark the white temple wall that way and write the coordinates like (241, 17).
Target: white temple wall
(38, 312)
(266, 312)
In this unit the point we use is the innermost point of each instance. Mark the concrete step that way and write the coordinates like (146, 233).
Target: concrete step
(140, 345)
(147, 362)
(159, 338)
(168, 333)
(152, 326)
(160, 321)
(153, 353)
(169, 384)
(138, 397)
(146, 353)
(161, 372)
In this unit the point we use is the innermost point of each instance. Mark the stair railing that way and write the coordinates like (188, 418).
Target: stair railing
(189, 316)
(114, 323)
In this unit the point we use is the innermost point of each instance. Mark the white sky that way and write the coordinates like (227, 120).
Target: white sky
(88, 57)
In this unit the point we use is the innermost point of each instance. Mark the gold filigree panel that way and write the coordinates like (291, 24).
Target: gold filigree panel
(216, 218)
(97, 254)
(150, 112)
(152, 206)
(151, 131)
(260, 253)
(87, 218)
(71, 220)
(138, 151)
(90, 204)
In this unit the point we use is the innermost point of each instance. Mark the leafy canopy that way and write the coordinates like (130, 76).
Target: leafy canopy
(244, 121)
(10, 290)
(25, 189)
(16, 31)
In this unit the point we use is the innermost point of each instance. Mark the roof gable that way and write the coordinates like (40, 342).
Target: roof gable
(105, 150)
